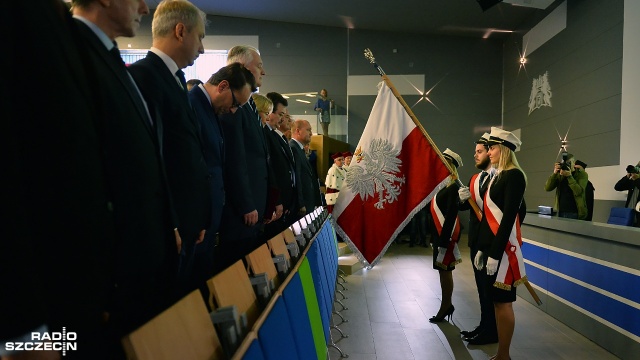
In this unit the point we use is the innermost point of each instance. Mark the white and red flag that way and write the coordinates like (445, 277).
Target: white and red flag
(394, 173)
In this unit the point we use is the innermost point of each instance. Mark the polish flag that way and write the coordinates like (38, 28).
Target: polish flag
(394, 173)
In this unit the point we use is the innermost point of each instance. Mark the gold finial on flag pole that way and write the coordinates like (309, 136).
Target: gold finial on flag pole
(369, 55)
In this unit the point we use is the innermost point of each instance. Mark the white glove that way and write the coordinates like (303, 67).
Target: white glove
(492, 266)
(441, 252)
(478, 261)
(464, 194)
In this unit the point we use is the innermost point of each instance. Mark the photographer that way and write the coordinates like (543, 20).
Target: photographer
(570, 184)
(631, 183)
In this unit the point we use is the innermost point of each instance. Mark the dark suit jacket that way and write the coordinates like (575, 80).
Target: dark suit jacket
(308, 186)
(134, 194)
(213, 141)
(138, 186)
(246, 173)
(282, 165)
(182, 150)
(57, 233)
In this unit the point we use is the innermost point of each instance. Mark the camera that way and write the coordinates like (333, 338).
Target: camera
(563, 164)
(632, 169)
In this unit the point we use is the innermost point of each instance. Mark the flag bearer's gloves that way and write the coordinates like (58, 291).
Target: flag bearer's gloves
(464, 194)
(478, 261)
(492, 266)
(441, 252)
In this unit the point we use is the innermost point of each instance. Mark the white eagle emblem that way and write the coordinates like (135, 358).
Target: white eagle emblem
(379, 174)
(540, 93)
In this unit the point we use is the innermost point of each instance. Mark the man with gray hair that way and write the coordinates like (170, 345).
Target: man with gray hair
(178, 30)
(133, 269)
(249, 185)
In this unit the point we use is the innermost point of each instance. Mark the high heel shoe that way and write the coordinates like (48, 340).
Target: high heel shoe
(448, 313)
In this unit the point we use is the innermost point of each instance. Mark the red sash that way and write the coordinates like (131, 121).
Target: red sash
(511, 271)
(452, 255)
(474, 188)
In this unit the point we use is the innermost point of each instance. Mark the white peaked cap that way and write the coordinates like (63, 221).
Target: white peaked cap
(504, 137)
(457, 160)
(483, 139)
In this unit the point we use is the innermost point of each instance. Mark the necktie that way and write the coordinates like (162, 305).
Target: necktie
(288, 149)
(183, 81)
(115, 52)
(483, 177)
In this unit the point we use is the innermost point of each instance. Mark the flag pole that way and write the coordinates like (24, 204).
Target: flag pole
(369, 55)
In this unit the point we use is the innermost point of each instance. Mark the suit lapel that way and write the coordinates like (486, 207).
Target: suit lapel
(177, 91)
(212, 117)
(303, 158)
(286, 148)
(120, 72)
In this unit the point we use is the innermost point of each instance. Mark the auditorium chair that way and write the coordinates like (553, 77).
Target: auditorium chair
(621, 216)
(183, 331)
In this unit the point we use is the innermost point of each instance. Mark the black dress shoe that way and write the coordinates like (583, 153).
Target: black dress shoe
(472, 333)
(448, 313)
(483, 338)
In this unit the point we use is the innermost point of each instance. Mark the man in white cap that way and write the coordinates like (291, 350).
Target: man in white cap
(486, 332)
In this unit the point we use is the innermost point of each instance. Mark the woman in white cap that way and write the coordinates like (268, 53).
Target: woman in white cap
(445, 234)
(499, 241)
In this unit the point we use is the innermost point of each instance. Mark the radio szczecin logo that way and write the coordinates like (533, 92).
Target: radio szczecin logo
(46, 341)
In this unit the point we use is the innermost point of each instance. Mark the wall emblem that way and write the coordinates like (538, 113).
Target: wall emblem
(540, 93)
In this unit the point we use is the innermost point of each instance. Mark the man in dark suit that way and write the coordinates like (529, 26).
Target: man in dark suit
(57, 234)
(486, 332)
(281, 164)
(246, 172)
(224, 92)
(139, 198)
(178, 29)
(308, 187)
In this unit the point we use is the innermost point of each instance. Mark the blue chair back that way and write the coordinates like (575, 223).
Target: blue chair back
(276, 336)
(296, 306)
(621, 216)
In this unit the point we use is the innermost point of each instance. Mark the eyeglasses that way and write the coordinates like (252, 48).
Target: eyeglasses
(234, 102)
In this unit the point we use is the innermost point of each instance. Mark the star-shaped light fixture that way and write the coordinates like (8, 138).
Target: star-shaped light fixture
(424, 95)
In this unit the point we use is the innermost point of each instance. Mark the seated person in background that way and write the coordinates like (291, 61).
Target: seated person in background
(631, 183)
(570, 184)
